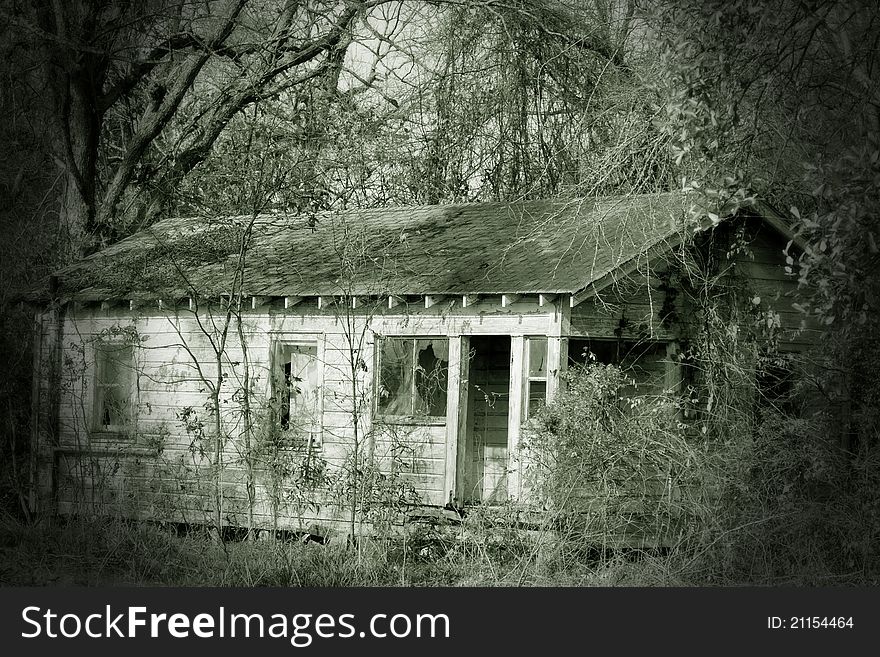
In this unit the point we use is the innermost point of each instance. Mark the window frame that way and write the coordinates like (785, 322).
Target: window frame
(528, 379)
(101, 351)
(411, 418)
(277, 346)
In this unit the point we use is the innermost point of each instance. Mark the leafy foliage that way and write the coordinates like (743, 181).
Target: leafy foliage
(613, 466)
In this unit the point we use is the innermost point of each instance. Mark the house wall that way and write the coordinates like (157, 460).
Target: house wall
(159, 469)
(656, 300)
(762, 268)
(635, 306)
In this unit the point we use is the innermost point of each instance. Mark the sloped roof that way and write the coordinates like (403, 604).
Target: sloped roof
(549, 246)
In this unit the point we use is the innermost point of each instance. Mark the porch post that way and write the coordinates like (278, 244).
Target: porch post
(557, 343)
(456, 414)
(515, 413)
(45, 400)
(557, 359)
(37, 409)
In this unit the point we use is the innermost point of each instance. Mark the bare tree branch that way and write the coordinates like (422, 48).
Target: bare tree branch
(154, 120)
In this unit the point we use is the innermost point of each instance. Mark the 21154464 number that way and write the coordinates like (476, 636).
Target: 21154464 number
(809, 622)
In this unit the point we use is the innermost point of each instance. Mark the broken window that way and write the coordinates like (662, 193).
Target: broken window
(298, 376)
(413, 376)
(537, 375)
(114, 386)
(643, 362)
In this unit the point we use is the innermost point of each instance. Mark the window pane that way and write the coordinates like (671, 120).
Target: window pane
(114, 407)
(578, 351)
(300, 389)
(396, 377)
(607, 352)
(538, 357)
(113, 385)
(432, 365)
(537, 395)
(116, 365)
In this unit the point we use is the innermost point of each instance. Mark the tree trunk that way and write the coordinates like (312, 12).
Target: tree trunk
(76, 152)
(75, 76)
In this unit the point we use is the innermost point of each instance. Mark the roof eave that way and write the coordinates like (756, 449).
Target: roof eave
(780, 223)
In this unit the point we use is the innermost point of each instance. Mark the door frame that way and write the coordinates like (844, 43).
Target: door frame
(458, 433)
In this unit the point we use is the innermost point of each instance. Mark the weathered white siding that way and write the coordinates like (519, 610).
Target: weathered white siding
(161, 470)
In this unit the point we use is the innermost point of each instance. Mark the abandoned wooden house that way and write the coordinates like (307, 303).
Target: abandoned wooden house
(180, 367)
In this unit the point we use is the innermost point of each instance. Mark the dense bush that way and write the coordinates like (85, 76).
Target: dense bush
(778, 500)
(614, 466)
(798, 508)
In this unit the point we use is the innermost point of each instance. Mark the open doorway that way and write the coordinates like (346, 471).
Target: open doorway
(485, 475)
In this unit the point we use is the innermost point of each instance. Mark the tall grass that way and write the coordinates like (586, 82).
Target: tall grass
(92, 551)
(777, 504)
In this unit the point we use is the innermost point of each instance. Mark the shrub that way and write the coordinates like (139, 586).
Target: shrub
(615, 468)
(800, 510)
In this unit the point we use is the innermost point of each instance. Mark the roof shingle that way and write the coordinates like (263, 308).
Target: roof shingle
(551, 246)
